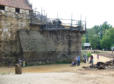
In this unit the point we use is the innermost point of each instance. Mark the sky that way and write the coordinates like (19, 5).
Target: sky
(94, 11)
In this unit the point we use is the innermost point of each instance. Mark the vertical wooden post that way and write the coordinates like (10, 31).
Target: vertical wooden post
(18, 69)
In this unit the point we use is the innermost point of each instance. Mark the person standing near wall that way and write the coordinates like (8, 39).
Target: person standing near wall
(20, 61)
(74, 62)
(91, 60)
(24, 63)
(88, 56)
(78, 60)
(85, 58)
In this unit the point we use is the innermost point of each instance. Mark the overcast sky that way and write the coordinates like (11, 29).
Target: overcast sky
(95, 11)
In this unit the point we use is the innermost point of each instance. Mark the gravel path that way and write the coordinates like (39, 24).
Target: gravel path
(58, 78)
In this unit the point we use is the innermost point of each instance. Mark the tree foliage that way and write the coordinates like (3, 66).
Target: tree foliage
(108, 39)
(99, 35)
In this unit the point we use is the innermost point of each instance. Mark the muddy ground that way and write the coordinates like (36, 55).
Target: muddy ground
(58, 74)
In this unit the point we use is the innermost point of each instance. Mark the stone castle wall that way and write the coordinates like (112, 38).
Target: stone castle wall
(35, 46)
(50, 46)
(10, 23)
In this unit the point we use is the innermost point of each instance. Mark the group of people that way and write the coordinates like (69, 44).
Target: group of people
(76, 61)
(86, 58)
(21, 62)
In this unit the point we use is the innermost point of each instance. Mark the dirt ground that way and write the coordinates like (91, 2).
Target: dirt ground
(58, 73)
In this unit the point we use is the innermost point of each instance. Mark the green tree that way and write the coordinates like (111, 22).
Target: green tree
(96, 34)
(103, 28)
(95, 42)
(108, 39)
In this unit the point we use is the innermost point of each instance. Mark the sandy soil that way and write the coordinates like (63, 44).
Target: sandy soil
(101, 59)
(79, 77)
(54, 74)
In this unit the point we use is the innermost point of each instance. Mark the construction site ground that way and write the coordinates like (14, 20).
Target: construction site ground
(58, 73)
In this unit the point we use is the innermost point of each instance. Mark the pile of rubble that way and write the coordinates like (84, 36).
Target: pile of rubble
(102, 65)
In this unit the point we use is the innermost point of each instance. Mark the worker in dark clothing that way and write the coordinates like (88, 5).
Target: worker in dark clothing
(91, 60)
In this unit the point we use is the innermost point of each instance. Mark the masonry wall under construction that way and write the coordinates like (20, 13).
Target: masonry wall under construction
(20, 39)
(55, 46)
